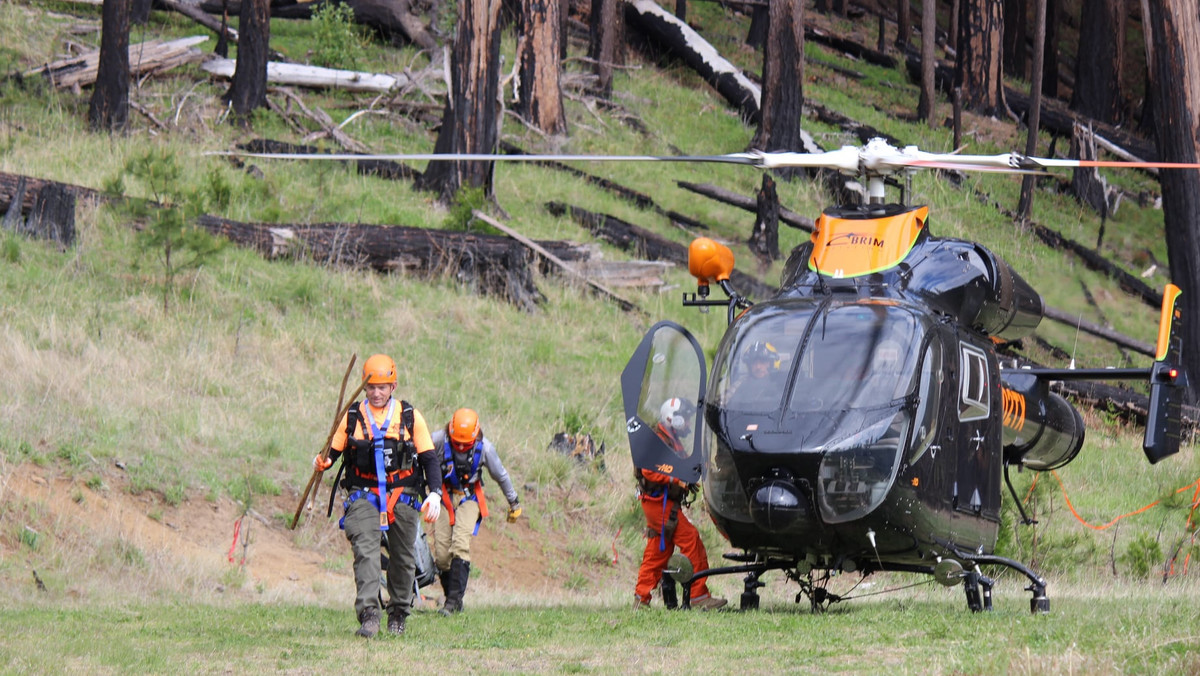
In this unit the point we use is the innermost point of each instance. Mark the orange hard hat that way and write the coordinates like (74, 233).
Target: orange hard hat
(379, 369)
(464, 426)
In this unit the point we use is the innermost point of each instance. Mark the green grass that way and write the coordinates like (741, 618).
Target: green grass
(920, 632)
(229, 394)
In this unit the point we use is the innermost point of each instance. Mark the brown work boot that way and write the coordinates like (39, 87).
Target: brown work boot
(709, 603)
(369, 621)
(396, 623)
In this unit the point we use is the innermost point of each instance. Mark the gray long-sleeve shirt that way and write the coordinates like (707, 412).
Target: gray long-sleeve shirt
(488, 458)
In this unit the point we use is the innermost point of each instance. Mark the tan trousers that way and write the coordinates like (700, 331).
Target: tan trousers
(454, 542)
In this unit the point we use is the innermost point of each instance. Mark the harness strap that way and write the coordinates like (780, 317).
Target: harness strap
(380, 461)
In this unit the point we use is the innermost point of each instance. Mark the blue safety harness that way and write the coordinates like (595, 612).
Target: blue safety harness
(380, 500)
(451, 477)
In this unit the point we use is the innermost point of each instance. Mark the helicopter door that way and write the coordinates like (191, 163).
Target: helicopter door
(662, 387)
(977, 490)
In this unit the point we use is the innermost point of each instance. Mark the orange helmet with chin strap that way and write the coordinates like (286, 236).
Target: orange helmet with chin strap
(464, 427)
(379, 369)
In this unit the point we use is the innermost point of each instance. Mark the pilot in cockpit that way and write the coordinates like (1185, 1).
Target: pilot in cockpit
(760, 374)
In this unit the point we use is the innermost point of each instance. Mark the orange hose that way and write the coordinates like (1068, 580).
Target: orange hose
(1081, 520)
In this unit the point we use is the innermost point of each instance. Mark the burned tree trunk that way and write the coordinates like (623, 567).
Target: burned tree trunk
(756, 36)
(782, 105)
(249, 88)
(139, 12)
(1050, 50)
(470, 122)
(764, 238)
(1025, 202)
(53, 215)
(903, 24)
(925, 106)
(1101, 52)
(977, 68)
(607, 37)
(1016, 15)
(1175, 27)
(539, 93)
(109, 106)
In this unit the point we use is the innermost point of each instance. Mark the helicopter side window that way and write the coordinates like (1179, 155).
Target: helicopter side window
(974, 400)
(927, 407)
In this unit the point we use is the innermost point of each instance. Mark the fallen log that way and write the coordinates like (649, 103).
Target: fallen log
(646, 244)
(314, 77)
(679, 38)
(490, 264)
(787, 216)
(626, 305)
(154, 56)
(204, 19)
(11, 189)
(386, 169)
(640, 199)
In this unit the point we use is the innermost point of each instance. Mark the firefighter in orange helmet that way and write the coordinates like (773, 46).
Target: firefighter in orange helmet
(464, 453)
(381, 442)
(667, 527)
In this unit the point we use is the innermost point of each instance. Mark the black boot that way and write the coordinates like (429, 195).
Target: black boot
(453, 600)
(460, 571)
(444, 578)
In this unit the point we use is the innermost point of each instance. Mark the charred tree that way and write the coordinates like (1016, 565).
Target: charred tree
(1175, 27)
(607, 36)
(539, 91)
(1025, 202)
(139, 12)
(925, 107)
(109, 106)
(470, 122)
(903, 24)
(249, 88)
(764, 238)
(1100, 58)
(1050, 49)
(977, 69)
(756, 37)
(782, 105)
(1016, 15)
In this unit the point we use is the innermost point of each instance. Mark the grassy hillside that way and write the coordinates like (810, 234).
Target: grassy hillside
(213, 408)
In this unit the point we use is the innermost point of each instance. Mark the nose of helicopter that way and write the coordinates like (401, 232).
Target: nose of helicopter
(778, 504)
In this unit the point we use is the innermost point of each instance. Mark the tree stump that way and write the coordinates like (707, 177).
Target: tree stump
(53, 215)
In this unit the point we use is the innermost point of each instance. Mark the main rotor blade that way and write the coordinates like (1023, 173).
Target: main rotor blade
(733, 158)
(845, 159)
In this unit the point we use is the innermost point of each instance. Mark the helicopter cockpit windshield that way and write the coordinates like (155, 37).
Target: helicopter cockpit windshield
(804, 356)
(816, 387)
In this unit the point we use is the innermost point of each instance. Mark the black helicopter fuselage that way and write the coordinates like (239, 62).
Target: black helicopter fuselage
(877, 436)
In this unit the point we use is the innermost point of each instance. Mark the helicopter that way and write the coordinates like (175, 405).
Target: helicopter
(886, 422)
(879, 434)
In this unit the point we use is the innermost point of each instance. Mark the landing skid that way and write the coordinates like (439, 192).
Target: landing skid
(976, 586)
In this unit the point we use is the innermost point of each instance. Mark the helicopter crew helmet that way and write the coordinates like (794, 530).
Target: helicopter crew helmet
(675, 413)
(379, 369)
(763, 351)
(464, 427)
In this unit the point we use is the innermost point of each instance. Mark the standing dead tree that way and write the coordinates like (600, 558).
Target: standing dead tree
(470, 122)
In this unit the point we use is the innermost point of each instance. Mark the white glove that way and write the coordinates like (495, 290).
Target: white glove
(432, 507)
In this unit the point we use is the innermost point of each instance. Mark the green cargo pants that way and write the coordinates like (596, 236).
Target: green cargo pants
(362, 530)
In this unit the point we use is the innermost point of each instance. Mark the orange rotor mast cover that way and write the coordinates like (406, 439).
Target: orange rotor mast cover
(709, 261)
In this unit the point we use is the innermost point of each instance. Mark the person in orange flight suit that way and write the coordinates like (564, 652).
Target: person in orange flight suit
(667, 527)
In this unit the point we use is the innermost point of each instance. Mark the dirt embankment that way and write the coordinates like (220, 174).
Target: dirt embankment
(78, 537)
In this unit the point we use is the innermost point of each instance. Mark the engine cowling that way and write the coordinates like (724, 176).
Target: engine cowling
(1042, 431)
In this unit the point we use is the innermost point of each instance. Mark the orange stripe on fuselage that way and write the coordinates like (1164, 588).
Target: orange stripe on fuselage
(845, 247)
